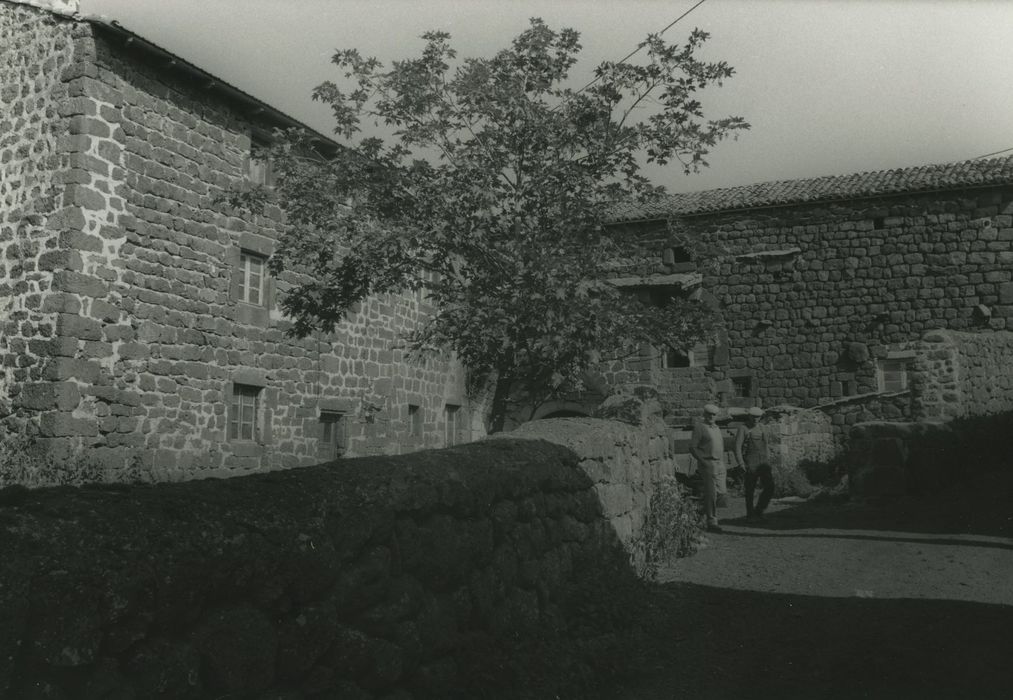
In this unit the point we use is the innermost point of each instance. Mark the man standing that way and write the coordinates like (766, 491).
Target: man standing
(708, 447)
(751, 451)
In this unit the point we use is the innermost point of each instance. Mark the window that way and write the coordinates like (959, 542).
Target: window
(243, 412)
(258, 168)
(893, 374)
(252, 269)
(414, 421)
(742, 387)
(698, 356)
(451, 415)
(673, 359)
(333, 434)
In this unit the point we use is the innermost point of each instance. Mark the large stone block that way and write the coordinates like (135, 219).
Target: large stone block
(44, 396)
(64, 424)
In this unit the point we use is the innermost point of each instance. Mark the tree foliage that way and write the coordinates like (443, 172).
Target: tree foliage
(492, 192)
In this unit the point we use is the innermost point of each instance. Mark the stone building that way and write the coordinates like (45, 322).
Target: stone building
(137, 317)
(832, 289)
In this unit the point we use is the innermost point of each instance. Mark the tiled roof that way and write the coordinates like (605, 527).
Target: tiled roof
(969, 173)
(260, 110)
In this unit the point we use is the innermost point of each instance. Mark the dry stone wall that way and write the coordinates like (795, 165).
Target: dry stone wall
(963, 374)
(623, 460)
(383, 579)
(146, 340)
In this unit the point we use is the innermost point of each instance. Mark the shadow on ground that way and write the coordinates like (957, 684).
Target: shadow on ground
(719, 643)
(981, 506)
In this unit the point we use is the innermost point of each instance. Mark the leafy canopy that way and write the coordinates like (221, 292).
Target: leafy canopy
(492, 192)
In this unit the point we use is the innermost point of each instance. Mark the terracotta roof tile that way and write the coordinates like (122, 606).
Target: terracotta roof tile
(993, 171)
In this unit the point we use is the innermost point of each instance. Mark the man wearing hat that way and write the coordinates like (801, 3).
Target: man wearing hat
(708, 447)
(751, 451)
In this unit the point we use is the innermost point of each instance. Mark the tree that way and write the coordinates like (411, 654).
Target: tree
(493, 193)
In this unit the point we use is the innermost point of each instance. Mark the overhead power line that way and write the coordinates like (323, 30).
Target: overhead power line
(634, 51)
(1005, 150)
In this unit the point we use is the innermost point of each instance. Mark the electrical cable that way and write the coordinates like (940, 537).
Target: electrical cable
(992, 154)
(634, 51)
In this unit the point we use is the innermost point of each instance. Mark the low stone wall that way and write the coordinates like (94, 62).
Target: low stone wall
(796, 436)
(963, 374)
(623, 462)
(892, 459)
(357, 579)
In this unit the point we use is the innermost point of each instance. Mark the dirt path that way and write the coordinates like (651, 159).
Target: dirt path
(912, 599)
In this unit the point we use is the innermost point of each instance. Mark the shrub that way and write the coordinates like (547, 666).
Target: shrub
(24, 463)
(672, 528)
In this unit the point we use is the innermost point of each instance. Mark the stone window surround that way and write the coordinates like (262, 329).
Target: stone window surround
(333, 433)
(903, 359)
(246, 313)
(267, 401)
(258, 170)
(452, 415)
(243, 428)
(415, 419)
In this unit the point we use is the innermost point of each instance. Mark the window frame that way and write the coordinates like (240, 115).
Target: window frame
(414, 420)
(901, 367)
(333, 438)
(236, 413)
(244, 287)
(451, 424)
(259, 170)
(692, 357)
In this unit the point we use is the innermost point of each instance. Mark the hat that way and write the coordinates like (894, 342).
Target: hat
(710, 408)
(756, 411)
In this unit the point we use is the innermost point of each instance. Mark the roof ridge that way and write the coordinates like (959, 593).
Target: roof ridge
(868, 183)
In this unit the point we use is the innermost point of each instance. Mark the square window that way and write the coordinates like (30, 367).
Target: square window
(333, 434)
(742, 387)
(243, 409)
(414, 421)
(700, 356)
(252, 278)
(673, 359)
(258, 167)
(893, 375)
(452, 427)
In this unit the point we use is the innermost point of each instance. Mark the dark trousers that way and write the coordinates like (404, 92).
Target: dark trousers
(763, 473)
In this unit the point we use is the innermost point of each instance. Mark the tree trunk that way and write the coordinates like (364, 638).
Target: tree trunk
(500, 397)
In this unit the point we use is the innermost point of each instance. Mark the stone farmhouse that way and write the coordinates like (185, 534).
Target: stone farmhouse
(883, 295)
(137, 318)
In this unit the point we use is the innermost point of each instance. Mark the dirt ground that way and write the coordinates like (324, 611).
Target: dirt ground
(902, 599)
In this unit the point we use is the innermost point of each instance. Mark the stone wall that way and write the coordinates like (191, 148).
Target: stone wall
(804, 289)
(623, 461)
(147, 337)
(925, 457)
(353, 581)
(36, 75)
(963, 374)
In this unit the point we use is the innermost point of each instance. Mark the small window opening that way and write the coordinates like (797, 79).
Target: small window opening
(243, 410)
(333, 434)
(674, 359)
(252, 275)
(259, 170)
(893, 375)
(414, 421)
(742, 387)
(451, 425)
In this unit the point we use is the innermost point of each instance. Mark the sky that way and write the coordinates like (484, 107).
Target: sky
(829, 86)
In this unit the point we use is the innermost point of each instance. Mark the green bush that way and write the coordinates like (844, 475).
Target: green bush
(672, 528)
(24, 463)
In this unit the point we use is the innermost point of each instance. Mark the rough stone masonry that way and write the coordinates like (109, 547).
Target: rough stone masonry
(128, 324)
